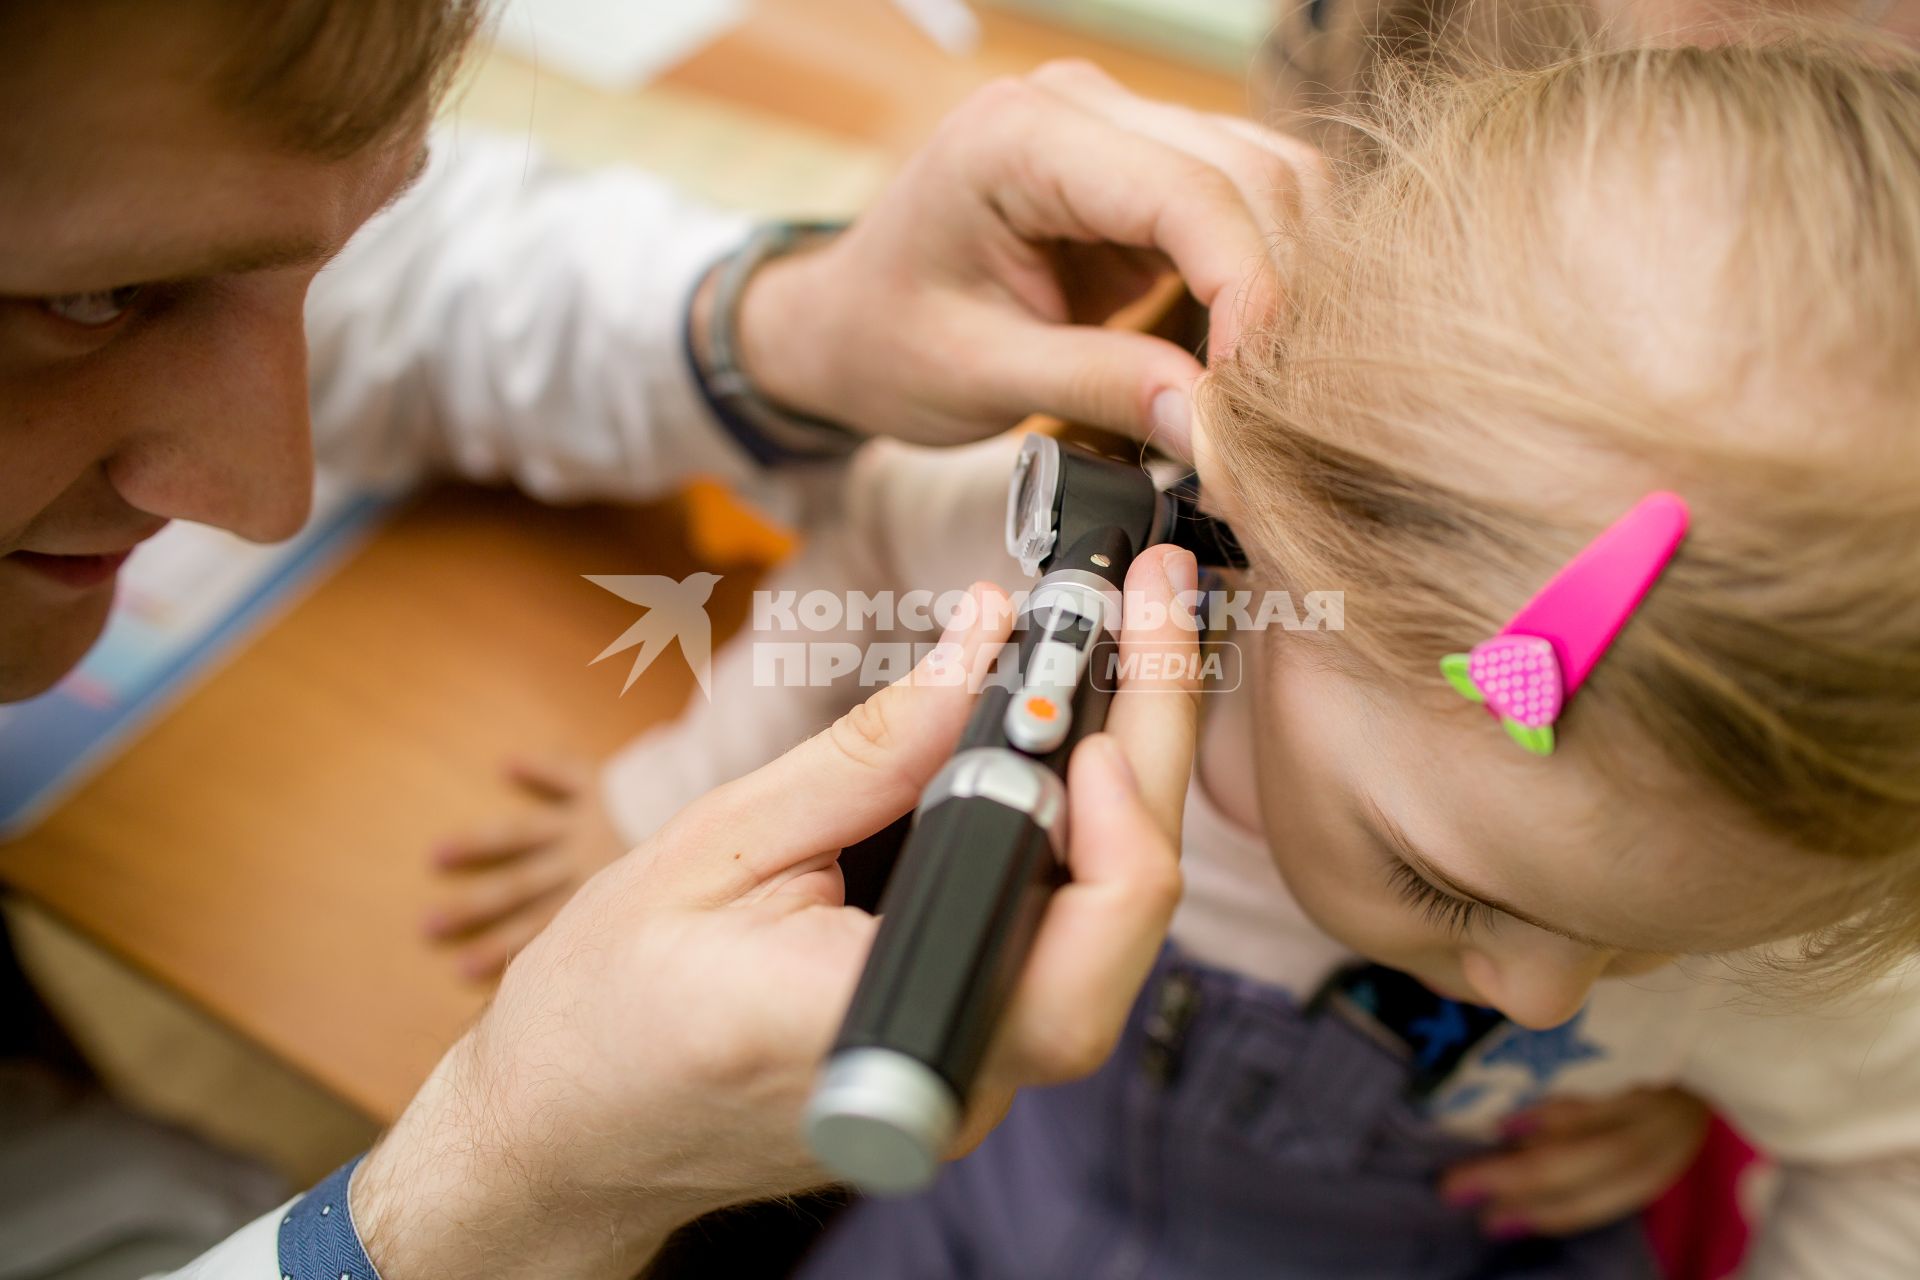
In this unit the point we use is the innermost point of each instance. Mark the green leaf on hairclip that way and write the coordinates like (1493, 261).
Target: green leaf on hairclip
(1538, 740)
(1454, 668)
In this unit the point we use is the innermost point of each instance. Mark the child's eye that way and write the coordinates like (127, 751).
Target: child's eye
(94, 310)
(1456, 914)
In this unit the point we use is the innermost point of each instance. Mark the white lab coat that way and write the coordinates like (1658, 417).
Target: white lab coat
(508, 320)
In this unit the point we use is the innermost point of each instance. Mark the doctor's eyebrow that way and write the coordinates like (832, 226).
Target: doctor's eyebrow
(270, 255)
(267, 256)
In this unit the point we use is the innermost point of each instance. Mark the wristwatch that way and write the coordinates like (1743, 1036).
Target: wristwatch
(773, 435)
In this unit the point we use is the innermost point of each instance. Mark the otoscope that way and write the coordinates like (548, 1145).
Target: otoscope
(988, 842)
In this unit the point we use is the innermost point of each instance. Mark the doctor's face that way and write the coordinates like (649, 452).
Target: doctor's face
(155, 253)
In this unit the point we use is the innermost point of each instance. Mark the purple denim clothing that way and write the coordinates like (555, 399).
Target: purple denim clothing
(1279, 1145)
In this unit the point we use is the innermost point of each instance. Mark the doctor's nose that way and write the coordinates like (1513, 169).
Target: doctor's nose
(224, 438)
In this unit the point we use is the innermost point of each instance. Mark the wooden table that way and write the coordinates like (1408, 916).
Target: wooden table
(262, 849)
(858, 68)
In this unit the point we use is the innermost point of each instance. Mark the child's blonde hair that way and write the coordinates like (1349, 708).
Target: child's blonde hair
(1543, 293)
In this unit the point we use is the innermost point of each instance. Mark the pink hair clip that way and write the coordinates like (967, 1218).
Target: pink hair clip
(1527, 671)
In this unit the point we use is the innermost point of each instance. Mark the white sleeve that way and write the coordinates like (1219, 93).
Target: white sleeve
(251, 1253)
(1832, 1093)
(510, 320)
(1842, 1222)
(900, 518)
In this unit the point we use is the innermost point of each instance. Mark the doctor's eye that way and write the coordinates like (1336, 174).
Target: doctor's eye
(94, 310)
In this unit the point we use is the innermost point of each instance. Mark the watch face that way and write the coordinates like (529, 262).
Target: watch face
(1032, 497)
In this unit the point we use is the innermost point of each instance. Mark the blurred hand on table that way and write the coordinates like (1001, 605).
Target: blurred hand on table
(505, 879)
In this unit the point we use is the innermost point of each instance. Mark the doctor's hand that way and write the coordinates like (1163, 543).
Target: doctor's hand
(649, 1055)
(969, 294)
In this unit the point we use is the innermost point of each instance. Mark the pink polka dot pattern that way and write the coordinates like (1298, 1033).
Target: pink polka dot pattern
(1520, 677)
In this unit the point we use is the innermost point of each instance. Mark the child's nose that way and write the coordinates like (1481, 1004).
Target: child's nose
(1538, 982)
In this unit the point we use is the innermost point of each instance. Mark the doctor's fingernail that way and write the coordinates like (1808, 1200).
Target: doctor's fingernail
(1183, 572)
(1509, 1229)
(967, 613)
(1465, 1197)
(1117, 757)
(1172, 416)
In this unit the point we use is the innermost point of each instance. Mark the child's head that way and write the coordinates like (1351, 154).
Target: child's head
(1549, 293)
(1319, 56)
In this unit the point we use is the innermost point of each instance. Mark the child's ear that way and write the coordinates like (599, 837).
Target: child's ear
(1218, 496)
(1198, 420)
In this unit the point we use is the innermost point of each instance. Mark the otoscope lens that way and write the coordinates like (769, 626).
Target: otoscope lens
(1031, 498)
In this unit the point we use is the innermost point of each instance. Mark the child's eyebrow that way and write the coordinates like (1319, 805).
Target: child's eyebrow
(1387, 834)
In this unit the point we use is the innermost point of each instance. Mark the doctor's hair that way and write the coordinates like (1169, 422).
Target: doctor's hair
(319, 78)
(329, 77)
(1541, 293)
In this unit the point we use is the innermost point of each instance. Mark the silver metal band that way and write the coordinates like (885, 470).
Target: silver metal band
(1087, 594)
(881, 1120)
(1006, 778)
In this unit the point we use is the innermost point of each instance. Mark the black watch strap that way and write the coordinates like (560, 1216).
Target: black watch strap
(773, 435)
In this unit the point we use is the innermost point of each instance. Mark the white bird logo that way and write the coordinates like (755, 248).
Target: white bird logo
(674, 610)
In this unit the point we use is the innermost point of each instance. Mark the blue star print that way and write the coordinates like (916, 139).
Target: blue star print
(1438, 1033)
(1458, 1099)
(1545, 1053)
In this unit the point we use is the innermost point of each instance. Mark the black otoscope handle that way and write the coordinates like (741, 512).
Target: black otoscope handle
(987, 849)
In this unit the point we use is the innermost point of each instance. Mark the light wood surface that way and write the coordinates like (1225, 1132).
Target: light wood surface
(263, 848)
(858, 68)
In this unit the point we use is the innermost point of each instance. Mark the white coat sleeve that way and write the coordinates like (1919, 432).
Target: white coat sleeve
(1831, 1090)
(509, 320)
(251, 1253)
(899, 520)
(1852, 1221)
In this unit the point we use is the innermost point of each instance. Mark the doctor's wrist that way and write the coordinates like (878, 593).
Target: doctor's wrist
(760, 344)
(780, 323)
(452, 1190)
